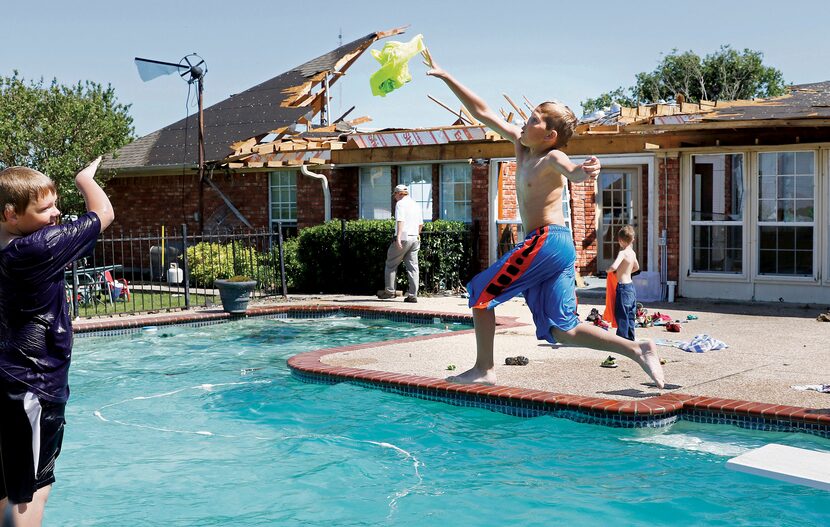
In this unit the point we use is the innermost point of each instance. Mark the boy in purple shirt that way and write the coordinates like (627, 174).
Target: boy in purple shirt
(35, 330)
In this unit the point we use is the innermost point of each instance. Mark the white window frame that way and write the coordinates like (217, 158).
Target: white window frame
(823, 211)
(757, 224)
(362, 205)
(271, 219)
(636, 207)
(426, 206)
(468, 201)
(688, 240)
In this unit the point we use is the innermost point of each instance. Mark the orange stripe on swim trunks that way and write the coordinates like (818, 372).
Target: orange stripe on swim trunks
(513, 268)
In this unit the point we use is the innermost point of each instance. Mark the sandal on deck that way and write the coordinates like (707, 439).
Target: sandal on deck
(517, 361)
(610, 362)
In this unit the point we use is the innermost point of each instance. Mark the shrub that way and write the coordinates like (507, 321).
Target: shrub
(271, 262)
(331, 258)
(209, 261)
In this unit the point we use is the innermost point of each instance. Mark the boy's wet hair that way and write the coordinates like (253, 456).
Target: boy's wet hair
(626, 234)
(560, 118)
(20, 186)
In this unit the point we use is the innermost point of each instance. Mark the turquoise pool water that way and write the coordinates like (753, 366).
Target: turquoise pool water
(207, 426)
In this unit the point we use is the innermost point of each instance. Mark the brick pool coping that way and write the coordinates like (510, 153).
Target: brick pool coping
(654, 411)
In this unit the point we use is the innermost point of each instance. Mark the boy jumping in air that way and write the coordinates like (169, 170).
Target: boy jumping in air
(542, 268)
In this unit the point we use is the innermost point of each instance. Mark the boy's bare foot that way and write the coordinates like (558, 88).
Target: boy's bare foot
(650, 362)
(474, 376)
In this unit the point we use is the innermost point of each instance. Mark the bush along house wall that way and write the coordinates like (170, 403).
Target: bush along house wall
(349, 256)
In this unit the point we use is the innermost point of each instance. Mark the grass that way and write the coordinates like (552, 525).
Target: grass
(141, 302)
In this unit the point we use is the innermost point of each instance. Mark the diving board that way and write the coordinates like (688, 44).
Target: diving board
(785, 463)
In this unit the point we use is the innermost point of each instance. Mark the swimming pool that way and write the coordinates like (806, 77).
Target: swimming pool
(207, 426)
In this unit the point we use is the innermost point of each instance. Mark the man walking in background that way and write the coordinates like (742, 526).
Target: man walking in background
(404, 248)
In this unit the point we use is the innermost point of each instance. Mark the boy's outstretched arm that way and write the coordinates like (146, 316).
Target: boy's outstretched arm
(94, 196)
(576, 173)
(474, 103)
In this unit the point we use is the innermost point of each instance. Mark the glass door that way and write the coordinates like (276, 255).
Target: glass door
(619, 205)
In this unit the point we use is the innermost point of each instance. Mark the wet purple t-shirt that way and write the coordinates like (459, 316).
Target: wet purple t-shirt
(35, 329)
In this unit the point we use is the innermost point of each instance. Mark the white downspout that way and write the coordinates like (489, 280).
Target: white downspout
(326, 193)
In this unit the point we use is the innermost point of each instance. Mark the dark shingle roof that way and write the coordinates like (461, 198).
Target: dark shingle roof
(250, 113)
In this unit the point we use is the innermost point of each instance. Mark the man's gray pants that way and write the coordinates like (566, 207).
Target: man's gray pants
(408, 254)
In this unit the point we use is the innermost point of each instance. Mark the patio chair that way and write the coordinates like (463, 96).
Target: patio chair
(89, 289)
(117, 288)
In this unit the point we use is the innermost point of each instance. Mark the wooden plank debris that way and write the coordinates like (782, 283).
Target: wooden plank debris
(444, 106)
(515, 107)
(470, 117)
(359, 120)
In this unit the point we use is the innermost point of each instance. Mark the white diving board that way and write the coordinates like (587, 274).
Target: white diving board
(785, 463)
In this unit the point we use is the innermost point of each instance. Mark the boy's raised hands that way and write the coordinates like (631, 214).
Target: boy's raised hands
(89, 170)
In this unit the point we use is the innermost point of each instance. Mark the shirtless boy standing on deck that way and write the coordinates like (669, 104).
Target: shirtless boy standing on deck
(542, 267)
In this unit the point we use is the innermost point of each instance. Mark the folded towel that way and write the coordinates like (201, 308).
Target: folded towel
(823, 388)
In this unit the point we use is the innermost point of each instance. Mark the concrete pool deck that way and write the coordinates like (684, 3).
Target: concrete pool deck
(771, 348)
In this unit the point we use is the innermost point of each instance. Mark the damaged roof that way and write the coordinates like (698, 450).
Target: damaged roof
(273, 105)
(803, 103)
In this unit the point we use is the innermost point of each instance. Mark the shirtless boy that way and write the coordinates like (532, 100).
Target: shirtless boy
(542, 268)
(625, 303)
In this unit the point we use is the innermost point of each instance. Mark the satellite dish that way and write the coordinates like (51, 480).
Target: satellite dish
(192, 69)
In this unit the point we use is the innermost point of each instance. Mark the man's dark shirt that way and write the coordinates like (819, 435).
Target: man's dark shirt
(35, 329)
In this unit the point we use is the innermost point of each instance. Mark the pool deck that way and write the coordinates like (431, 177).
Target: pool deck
(771, 348)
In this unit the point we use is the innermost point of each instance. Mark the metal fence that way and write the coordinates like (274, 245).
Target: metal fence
(172, 270)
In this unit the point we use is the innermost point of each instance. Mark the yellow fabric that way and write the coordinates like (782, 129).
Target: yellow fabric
(394, 69)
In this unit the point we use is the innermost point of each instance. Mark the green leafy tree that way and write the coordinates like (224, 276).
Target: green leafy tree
(724, 75)
(58, 129)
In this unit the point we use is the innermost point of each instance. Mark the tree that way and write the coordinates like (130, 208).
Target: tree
(724, 75)
(58, 129)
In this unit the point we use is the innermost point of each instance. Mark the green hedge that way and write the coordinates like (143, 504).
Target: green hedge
(209, 261)
(330, 259)
(334, 260)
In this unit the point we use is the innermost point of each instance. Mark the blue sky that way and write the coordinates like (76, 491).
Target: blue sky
(540, 49)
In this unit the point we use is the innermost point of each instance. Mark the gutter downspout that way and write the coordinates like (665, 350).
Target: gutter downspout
(326, 193)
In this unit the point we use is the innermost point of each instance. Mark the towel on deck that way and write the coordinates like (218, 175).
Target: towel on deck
(823, 388)
(701, 343)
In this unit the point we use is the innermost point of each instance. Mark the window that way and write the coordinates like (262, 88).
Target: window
(283, 196)
(456, 192)
(717, 207)
(376, 193)
(419, 180)
(786, 213)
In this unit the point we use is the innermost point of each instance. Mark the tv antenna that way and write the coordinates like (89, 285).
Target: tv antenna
(192, 68)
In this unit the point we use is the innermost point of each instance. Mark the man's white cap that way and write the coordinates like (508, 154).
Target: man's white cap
(402, 188)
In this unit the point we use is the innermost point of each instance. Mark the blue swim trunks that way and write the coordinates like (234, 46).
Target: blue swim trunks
(542, 269)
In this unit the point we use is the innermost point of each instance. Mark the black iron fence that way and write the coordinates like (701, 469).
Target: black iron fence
(172, 270)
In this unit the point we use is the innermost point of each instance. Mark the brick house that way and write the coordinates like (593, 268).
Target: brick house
(729, 200)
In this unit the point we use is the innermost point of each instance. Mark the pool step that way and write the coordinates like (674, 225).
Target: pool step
(793, 465)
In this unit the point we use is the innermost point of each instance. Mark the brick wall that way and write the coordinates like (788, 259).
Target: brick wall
(584, 207)
(143, 204)
(507, 235)
(668, 178)
(481, 207)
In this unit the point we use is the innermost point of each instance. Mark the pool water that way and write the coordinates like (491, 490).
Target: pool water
(207, 426)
